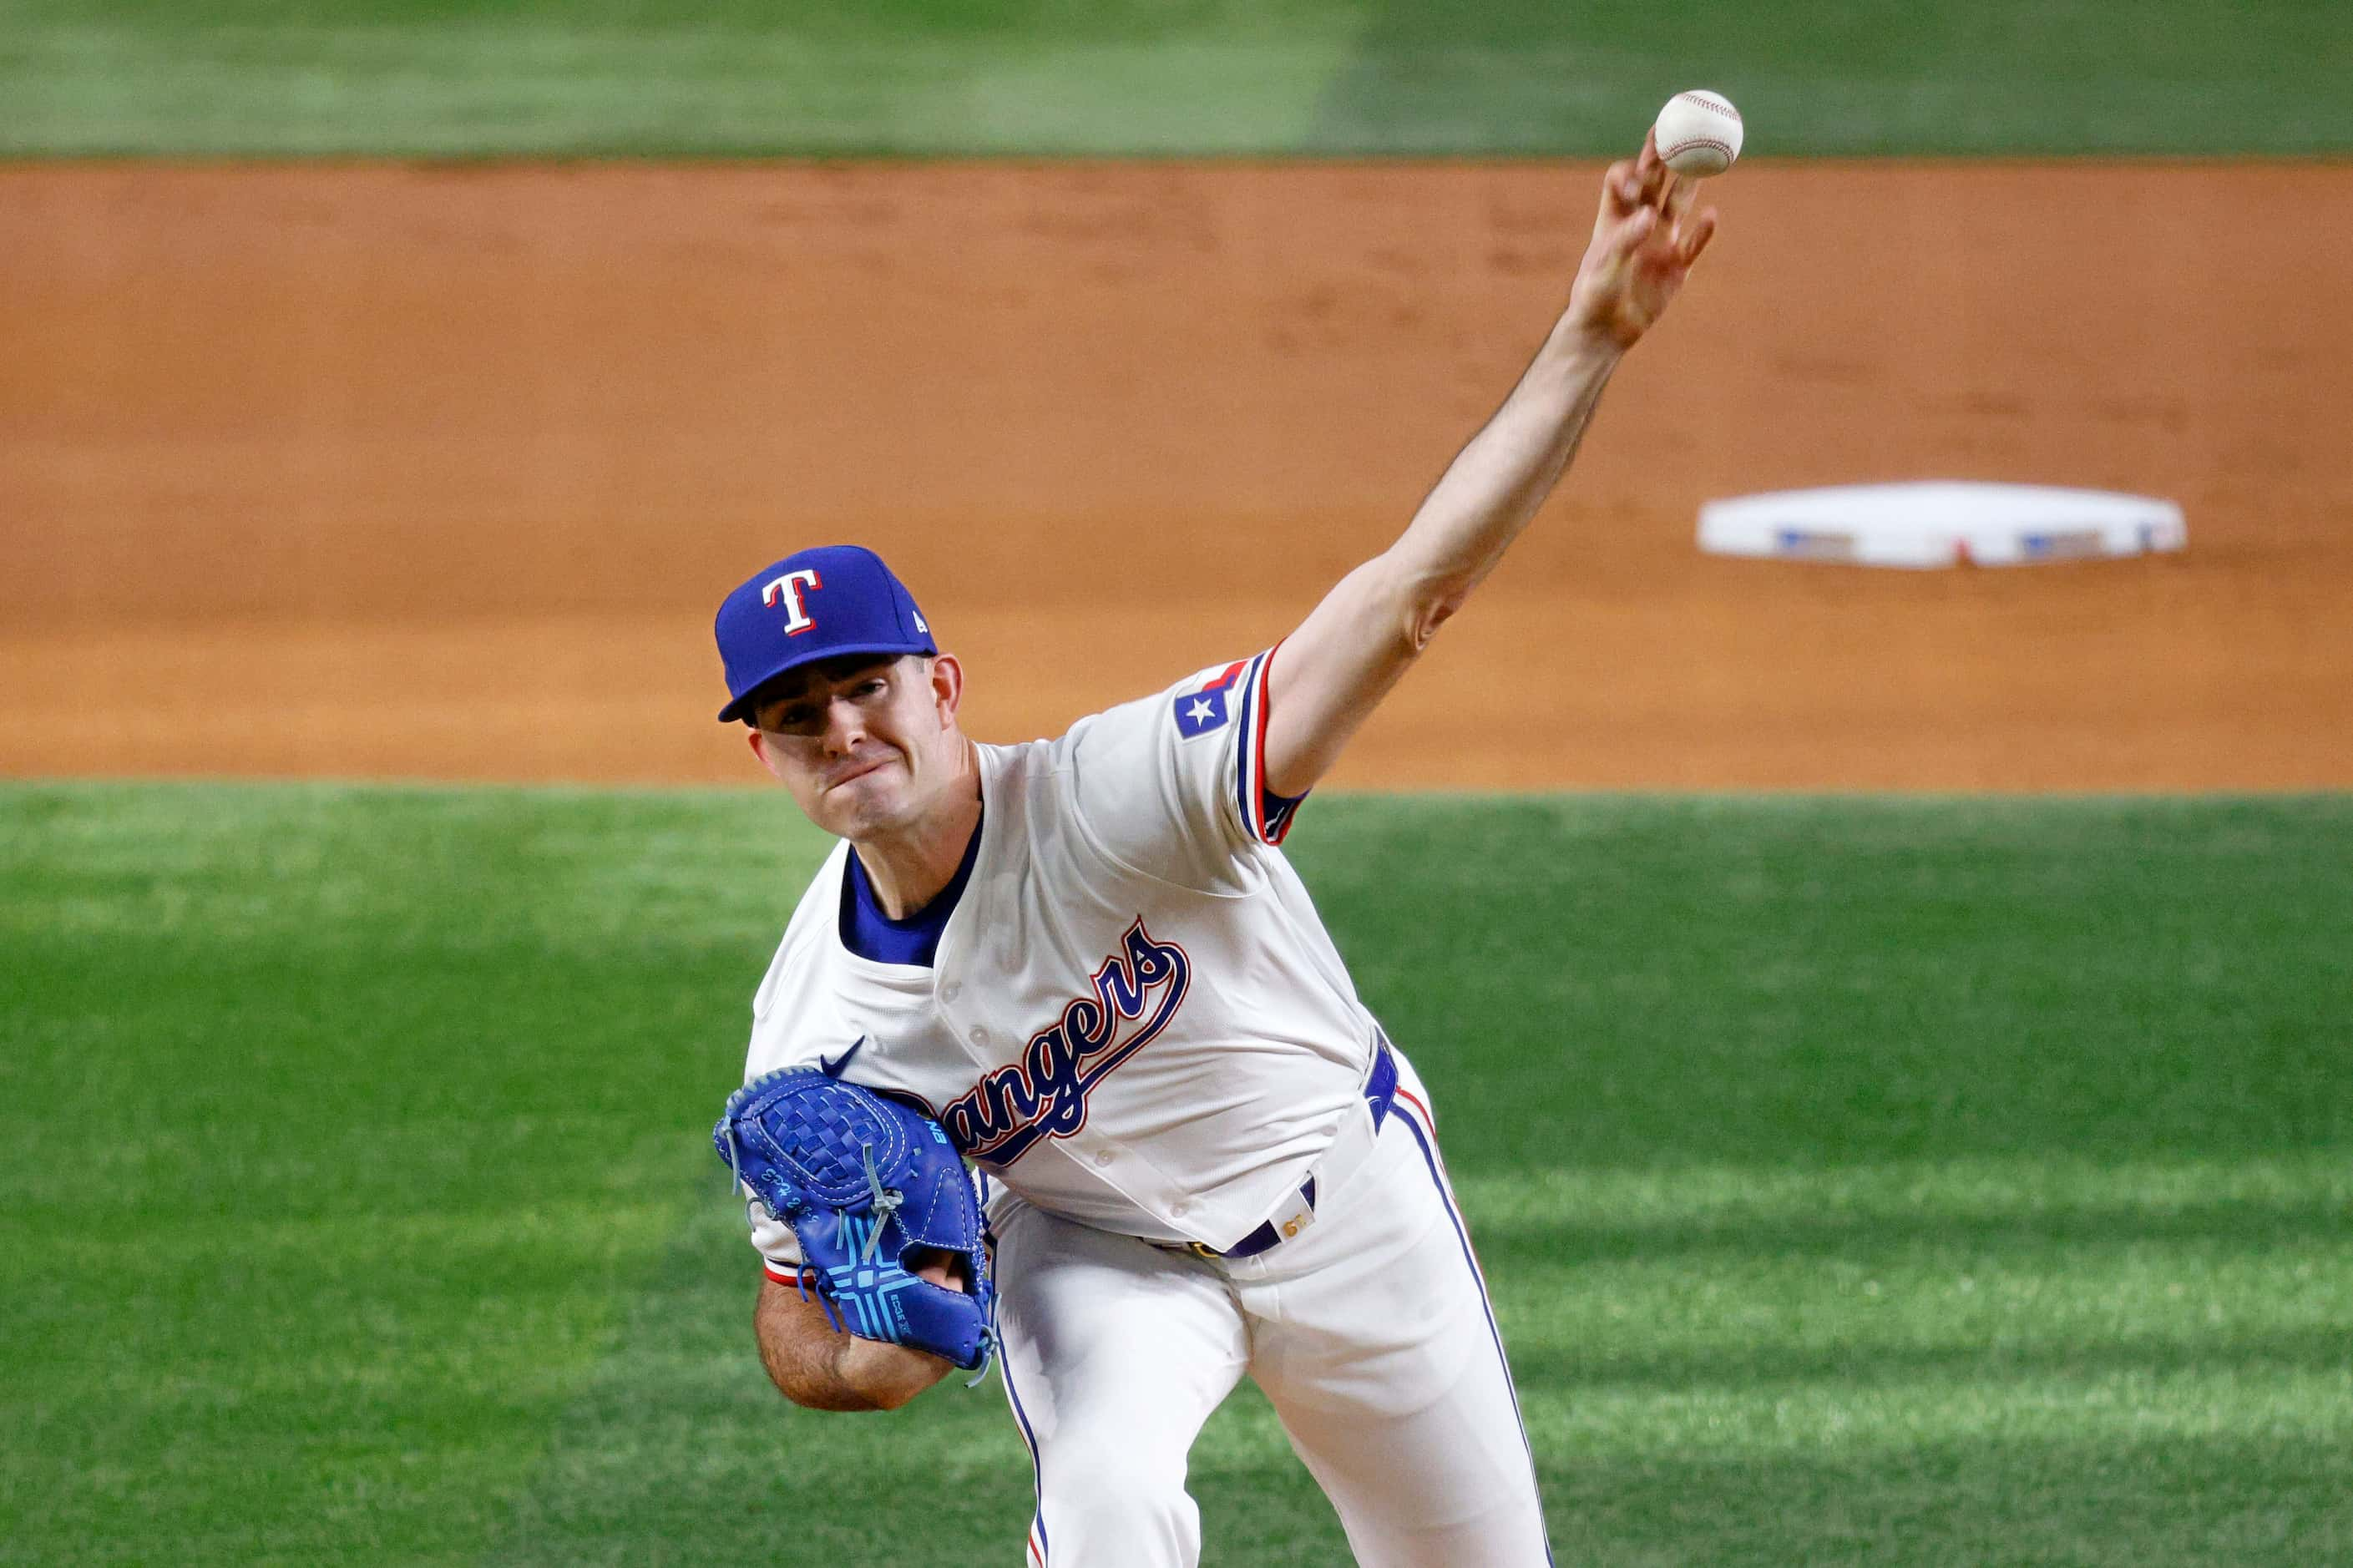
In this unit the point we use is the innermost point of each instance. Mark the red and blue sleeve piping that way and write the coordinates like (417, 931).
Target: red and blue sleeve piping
(1266, 815)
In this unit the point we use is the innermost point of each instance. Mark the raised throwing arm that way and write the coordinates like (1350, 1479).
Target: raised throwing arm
(1334, 670)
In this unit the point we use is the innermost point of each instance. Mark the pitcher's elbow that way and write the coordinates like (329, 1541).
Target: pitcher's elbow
(1429, 613)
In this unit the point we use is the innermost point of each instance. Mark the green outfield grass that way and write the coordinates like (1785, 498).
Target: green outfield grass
(1936, 1182)
(463, 78)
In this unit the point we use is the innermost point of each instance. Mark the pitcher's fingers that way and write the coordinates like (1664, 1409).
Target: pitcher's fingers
(1695, 238)
(1680, 192)
(1638, 226)
(1619, 189)
(1648, 167)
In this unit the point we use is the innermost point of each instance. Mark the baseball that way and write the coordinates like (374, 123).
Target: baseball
(1699, 133)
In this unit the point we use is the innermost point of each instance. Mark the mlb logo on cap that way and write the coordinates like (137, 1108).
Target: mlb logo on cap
(819, 603)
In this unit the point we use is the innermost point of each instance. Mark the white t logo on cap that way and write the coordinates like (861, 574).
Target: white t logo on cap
(786, 591)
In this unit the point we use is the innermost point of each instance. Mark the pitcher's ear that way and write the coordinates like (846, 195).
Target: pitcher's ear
(947, 684)
(760, 750)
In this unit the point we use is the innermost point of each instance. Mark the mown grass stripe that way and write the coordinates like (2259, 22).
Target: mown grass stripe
(1899, 1180)
(1141, 78)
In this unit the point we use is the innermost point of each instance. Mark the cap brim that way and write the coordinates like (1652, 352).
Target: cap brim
(734, 709)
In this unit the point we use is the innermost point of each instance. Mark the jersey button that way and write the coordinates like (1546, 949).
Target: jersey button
(1104, 1156)
(1180, 1208)
(951, 991)
(979, 1036)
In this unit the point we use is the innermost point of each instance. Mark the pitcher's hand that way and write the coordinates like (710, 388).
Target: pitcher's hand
(1644, 242)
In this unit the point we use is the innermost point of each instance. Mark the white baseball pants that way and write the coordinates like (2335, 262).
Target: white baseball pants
(1370, 1332)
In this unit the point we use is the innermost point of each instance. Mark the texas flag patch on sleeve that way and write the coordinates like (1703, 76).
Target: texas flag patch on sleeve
(1211, 705)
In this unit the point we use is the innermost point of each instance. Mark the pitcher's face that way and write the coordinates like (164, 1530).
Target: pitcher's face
(866, 746)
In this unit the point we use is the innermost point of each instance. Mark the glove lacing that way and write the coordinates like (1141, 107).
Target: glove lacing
(886, 1200)
(735, 1159)
(886, 1205)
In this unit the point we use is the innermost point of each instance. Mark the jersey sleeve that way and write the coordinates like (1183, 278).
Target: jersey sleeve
(1175, 785)
(773, 1239)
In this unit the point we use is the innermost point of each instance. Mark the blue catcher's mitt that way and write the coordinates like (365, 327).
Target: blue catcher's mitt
(866, 1184)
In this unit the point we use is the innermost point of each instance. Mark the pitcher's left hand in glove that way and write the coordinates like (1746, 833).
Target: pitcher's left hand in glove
(873, 1189)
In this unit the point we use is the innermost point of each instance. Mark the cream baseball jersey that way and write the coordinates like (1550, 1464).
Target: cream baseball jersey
(1135, 1018)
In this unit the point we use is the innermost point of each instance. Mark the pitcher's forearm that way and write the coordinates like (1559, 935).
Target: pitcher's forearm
(1353, 647)
(816, 1366)
(1495, 484)
(1356, 644)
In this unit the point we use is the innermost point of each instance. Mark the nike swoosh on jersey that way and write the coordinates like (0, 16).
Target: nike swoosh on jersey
(831, 1066)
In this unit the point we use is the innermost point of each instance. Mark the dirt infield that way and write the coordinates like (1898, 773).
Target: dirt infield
(437, 471)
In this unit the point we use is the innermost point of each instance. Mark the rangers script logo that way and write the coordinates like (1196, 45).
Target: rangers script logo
(1044, 1094)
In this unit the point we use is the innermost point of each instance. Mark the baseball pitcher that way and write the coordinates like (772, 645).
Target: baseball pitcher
(1056, 1065)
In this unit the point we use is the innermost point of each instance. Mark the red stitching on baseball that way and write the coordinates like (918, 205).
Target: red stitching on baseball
(1723, 147)
(1713, 108)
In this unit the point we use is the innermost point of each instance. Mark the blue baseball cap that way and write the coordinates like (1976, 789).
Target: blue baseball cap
(818, 604)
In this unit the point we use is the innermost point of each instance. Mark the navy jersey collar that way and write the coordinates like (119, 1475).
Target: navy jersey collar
(869, 933)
